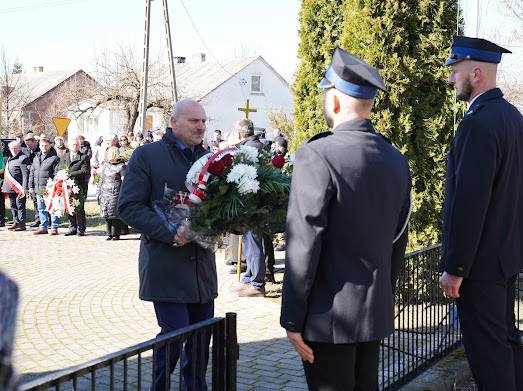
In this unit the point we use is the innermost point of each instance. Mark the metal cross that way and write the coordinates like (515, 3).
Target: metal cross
(247, 109)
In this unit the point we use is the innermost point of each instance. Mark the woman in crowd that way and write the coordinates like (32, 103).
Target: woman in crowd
(124, 144)
(111, 177)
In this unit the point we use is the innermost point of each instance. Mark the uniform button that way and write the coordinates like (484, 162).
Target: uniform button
(460, 268)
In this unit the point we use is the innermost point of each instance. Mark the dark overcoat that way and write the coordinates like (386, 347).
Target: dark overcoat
(184, 274)
(17, 167)
(350, 198)
(483, 213)
(42, 169)
(79, 169)
(109, 189)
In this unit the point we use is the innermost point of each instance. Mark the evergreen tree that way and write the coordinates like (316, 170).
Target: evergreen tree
(408, 41)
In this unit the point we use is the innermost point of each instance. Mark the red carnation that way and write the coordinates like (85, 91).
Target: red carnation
(216, 167)
(227, 160)
(278, 161)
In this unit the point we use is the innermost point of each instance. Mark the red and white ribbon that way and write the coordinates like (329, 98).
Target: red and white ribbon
(59, 190)
(14, 184)
(198, 193)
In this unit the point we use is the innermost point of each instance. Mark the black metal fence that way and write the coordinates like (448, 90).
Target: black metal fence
(135, 368)
(426, 330)
(426, 322)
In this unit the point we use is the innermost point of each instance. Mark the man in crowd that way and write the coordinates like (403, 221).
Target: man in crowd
(42, 169)
(77, 163)
(2, 199)
(16, 177)
(346, 235)
(179, 277)
(483, 217)
(30, 150)
(214, 144)
(253, 281)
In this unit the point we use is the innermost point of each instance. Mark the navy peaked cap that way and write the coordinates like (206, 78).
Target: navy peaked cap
(352, 76)
(478, 49)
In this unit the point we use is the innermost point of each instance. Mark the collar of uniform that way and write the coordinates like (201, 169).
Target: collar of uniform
(494, 93)
(358, 125)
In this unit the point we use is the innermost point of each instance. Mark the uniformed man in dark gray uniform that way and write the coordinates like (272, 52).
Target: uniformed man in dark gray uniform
(483, 217)
(346, 235)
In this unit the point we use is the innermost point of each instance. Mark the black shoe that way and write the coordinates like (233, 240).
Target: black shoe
(80, 233)
(270, 278)
(109, 238)
(71, 232)
(35, 224)
(116, 238)
(2, 224)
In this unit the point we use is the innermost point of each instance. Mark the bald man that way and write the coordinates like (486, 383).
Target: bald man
(177, 276)
(483, 217)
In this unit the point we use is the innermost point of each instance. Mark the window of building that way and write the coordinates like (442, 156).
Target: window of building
(256, 84)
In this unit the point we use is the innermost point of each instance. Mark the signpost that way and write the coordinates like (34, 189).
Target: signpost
(61, 124)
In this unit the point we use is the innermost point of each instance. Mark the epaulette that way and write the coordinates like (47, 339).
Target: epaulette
(320, 135)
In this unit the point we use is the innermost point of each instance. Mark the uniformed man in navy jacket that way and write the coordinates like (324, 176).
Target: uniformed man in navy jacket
(346, 235)
(483, 217)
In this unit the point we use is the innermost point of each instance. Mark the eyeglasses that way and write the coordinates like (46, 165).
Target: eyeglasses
(123, 139)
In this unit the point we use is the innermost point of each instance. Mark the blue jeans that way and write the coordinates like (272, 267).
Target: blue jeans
(174, 316)
(253, 251)
(45, 217)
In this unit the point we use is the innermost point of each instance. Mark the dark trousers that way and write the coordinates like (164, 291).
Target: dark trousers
(268, 251)
(174, 316)
(492, 341)
(77, 220)
(2, 207)
(113, 227)
(35, 205)
(253, 250)
(18, 209)
(343, 367)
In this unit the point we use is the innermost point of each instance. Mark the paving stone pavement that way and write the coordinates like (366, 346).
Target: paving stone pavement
(79, 301)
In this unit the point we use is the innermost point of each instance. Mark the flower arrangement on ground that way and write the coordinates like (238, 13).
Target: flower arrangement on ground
(61, 194)
(235, 190)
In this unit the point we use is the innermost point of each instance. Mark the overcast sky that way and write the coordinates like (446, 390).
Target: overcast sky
(66, 34)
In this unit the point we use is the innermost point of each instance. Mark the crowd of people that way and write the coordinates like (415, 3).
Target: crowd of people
(347, 225)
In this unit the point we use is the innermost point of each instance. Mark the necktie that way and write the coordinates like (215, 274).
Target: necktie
(188, 154)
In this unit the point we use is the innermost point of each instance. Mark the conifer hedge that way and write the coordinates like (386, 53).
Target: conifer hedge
(408, 41)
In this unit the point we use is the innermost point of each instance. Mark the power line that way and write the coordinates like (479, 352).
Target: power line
(35, 6)
(204, 44)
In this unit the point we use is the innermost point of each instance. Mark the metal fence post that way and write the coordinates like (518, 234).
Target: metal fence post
(232, 351)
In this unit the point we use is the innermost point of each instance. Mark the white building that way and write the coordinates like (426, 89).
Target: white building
(221, 88)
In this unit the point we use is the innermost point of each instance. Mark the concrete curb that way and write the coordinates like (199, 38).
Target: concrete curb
(445, 375)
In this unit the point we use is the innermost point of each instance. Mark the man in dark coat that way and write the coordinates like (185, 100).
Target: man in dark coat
(16, 177)
(177, 276)
(346, 235)
(42, 169)
(77, 163)
(30, 149)
(483, 217)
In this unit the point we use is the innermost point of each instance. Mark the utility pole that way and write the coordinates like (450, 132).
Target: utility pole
(172, 74)
(145, 66)
(145, 62)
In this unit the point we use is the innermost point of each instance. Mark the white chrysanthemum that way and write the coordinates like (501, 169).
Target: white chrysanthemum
(50, 182)
(76, 189)
(69, 182)
(62, 175)
(194, 172)
(241, 171)
(250, 153)
(248, 185)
